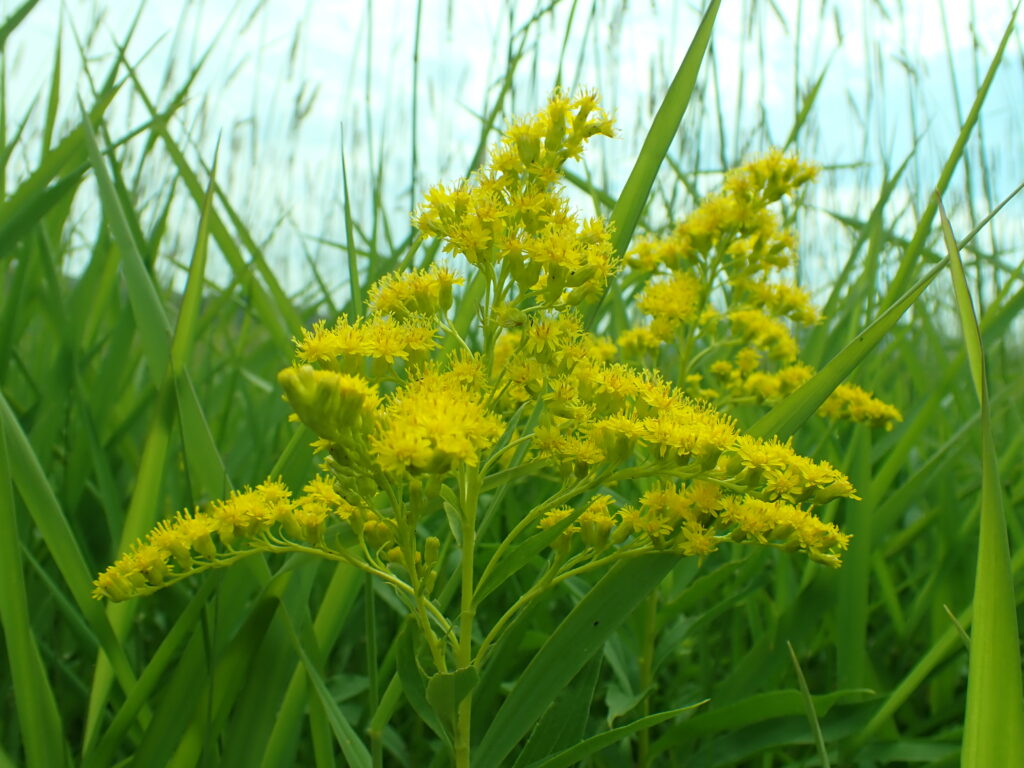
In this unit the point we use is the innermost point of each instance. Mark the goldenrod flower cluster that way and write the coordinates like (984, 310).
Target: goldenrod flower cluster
(712, 292)
(248, 521)
(601, 416)
(511, 221)
(425, 292)
(414, 416)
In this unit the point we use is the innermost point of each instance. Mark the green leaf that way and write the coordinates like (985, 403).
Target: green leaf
(166, 655)
(580, 635)
(11, 22)
(565, 722)
(574, 755)
(994, 723)
(786, 417)
(52, 525)
(355, 752)
(812, 715)
(41, 728)
(662, 133)
(637, 189)
(413, 685)
(446, 690)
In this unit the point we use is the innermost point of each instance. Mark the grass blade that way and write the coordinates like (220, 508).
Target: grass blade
(786, 417)
(634, 195)
(575, 754)
(356, 753)
(909, 260)
(40, 720)
(662, 133)
(11, 22)
(812, 716)
(576, 639)
(994, 725)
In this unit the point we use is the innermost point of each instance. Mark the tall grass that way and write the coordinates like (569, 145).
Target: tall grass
(145, 306)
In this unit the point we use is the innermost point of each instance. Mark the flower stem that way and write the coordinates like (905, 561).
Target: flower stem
(469, 495)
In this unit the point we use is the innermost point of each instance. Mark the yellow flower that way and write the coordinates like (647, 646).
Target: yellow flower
(336, 406)
(433, 424)
(674, 301)
(769, 177)
(420, 291)
(768, 333)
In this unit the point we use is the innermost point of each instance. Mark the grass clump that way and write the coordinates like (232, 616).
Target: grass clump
(538, 437)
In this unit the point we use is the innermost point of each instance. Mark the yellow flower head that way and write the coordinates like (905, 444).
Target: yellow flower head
(432, 425)
(421, 291)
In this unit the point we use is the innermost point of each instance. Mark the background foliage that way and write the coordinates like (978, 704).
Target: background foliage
(137, 378)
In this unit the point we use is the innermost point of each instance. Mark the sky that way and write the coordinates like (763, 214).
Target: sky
(292, 86)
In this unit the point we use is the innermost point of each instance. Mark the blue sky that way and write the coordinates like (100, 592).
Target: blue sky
(891, 70)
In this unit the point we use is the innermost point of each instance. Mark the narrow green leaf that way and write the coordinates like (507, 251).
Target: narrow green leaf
(52, 525)
(580, 635)
(662, 133)
(812, 716)
(167, 653)
(786, 417)
(11, 22)
(158, 345)
(994, 724)
(153, 327)
(64, 158)
(446, 690)
(41, 728)
(565, 722)
(350, 244)
(751, 710)
(805, 109)
(356, 753)
(54, 99)
(574, 755)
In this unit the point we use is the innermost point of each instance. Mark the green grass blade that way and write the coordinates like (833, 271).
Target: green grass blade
(662, 133)
(153, 327)
(812, 715)
(70, 153)
(805, 109)
(11, 22)
(54, 99)
(350, 246)
(786, 417)
(635, 193)
(164, 356)
(852, 612)
(150, 678)
(574, 755)
(41, 729)
(352, 747)
(572, 644)
(909, 261)
(994, 724)
(52, 525)
(206, 469)
(331, 616)
(562, 727)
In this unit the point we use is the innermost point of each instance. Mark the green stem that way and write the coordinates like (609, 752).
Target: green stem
(407, 543)
(551, 579)
(647, 672)
(469, 496)
(561, 497)
(373, 691)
